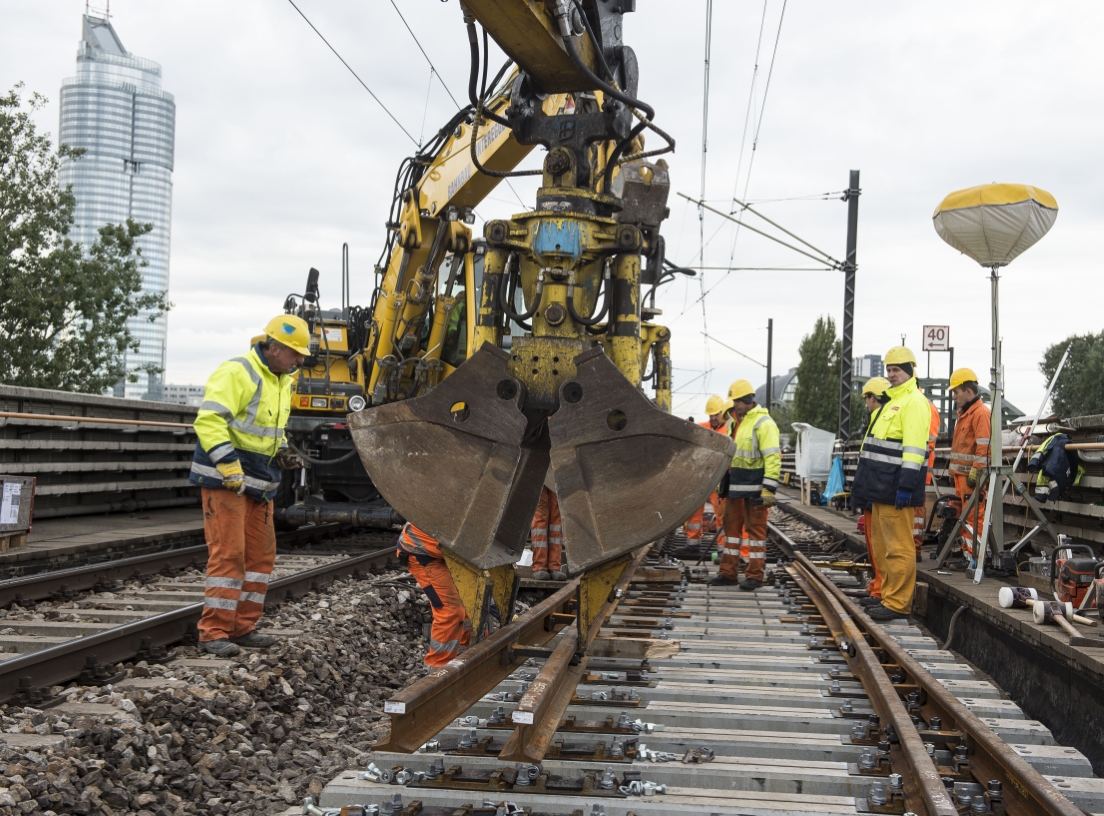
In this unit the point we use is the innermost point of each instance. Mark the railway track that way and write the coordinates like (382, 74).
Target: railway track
(786, 700)
(93, 619)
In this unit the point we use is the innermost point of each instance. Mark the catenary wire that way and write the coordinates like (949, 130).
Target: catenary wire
(354, 73)
(432, 67)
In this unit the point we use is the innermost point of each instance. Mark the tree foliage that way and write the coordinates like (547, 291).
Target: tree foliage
(1080, 388)
(64, 309)
(816, 400)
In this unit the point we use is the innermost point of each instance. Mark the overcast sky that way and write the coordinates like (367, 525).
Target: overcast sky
(281, 156)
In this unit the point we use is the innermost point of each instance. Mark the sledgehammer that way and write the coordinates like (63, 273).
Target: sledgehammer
(1044, 612)
(1024, 597)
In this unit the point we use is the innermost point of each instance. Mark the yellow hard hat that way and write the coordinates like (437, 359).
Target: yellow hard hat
(290, 331)
(717, 405)
(962, 375)
(740, 389)
(900, 354)
(875, 386)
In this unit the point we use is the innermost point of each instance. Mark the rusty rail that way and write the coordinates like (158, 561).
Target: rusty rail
(1025, 790)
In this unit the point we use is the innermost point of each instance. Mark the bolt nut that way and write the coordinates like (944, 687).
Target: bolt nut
(496, 232)
(558, 161)
(555, 314)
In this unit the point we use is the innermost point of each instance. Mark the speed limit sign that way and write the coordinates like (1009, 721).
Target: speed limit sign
(937, 338)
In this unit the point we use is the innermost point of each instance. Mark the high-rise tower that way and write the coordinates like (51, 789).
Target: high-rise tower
(115, 109)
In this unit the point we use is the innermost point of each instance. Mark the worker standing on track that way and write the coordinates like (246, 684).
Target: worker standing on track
(752, 482)
(891, 475)
(874, 393)
(451, 630)
(716, 408)
(239, 453)
(546, 538)
(969, 450)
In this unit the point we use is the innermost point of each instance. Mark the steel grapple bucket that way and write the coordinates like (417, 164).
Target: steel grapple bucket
(466, 463)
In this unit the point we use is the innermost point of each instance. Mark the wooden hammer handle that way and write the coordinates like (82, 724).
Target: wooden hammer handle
(1065, 624)
(1083, 620)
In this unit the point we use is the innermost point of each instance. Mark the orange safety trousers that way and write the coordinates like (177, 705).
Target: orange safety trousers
(745, 525)
(451, 628)
(546, 534)
(695, 526)
(875, 585)
(971, 527)
(241, 550)
(918, 519)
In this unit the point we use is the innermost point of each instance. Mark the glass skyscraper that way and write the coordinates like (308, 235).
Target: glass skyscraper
(115, 109)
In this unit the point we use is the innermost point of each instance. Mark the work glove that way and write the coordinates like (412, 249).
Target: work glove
(233, 478)
(972, 477)
(289, 459)
(904, 499)
(766, 498)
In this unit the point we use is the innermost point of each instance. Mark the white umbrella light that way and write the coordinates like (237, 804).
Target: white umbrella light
(994, 223)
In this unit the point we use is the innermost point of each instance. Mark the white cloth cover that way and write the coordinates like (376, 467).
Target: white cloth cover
(994, 223)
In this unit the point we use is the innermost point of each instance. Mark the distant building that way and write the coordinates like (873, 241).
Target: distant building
(782, 391)
(115, 110)
(867, 366)
(182, 394)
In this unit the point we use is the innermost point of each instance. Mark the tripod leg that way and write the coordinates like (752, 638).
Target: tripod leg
(962, 516)
(994, 492)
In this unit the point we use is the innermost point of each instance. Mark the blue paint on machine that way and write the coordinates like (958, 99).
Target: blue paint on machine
(558, 238)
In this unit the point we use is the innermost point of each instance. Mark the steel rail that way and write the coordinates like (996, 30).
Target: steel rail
(92, 420)
(1025, 790)
(420, 711)
(64, 662)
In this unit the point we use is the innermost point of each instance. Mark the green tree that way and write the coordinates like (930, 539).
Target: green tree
(1080, 389)
(816, 400)
(64, 310)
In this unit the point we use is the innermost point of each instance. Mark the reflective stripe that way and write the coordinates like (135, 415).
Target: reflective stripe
(770, 482)
(223, 583)
(981, 441)
(260, 484)
(220, 603)
(539, 531)
(736, 491)
(880, 457)
(556, 527)
(692, 526)
(220, 452)
(731, 540)
(255, 597)
(255, 430)
(887, 443)
(540, 545)
(911, 465)
(217, 407)
(258, 577)
(556, 540)
(438, 646)
(769, 451)
(915, 451)
(746, 454)
(730, 551)
(209, 472)
(933, 437)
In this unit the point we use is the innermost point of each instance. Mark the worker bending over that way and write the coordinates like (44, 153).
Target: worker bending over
(421, 553)
(890, 477)
(969, 451)
(752, 482)
(716, 407)
(874, 394)
(546, 538)
(239, 453)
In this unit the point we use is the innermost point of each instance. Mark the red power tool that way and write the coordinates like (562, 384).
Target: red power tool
(1071, 577)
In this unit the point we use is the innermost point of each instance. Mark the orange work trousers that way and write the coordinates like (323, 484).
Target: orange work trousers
(546, 534)
(695, 526)
(971, 527)
(875, 585)
(745, 525)
(241, 549)
(451, 628)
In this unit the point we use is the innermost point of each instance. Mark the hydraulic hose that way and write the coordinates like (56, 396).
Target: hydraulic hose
(473, 75)
(505, 301)
(593, 320)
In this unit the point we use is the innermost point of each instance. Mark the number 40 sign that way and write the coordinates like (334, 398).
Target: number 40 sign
(937, 338)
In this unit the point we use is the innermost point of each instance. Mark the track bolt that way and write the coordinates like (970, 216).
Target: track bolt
(607, 781)
(936, 723)
(896, 782)
(930, 748)
(847, 708)
(877, 794)
(867, 761)
(836, 688)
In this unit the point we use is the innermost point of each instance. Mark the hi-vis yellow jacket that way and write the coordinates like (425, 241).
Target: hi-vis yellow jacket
(758, 460)
(895, 449)
(244, 412)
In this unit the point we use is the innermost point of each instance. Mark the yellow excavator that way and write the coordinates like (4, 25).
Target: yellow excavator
(429, 281)
(557, 335)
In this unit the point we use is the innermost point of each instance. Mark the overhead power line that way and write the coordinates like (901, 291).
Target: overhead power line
(354, 73)
(432, 67)
(737, 351)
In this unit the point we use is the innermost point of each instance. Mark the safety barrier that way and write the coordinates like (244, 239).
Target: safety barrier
(95, 454)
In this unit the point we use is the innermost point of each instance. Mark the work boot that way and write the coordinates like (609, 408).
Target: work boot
(542, 575)
(884, 614)
(560, 574)
(220, 648)
(749, 584)
(720, 580)
(254, 640)
(870, 600)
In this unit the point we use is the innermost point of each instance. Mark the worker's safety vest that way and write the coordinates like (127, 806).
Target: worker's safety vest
(244, 412)
(758, 460)
(421, 545)
(893, 453)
